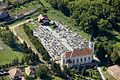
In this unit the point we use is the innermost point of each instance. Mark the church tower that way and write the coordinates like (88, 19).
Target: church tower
(91, 43)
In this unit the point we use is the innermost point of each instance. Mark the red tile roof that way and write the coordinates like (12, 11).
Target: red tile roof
(78, 52)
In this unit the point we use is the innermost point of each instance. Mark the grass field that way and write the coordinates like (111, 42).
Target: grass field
(7, 54)
(5, 78)
(56, 78)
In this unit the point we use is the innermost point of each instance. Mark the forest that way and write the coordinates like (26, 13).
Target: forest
(100, 18)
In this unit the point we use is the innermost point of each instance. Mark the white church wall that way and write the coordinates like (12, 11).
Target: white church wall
(89, 59)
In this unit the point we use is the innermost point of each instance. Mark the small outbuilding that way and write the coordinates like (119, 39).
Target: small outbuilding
(3, 15)
(30, 71)
(15, 74)
(42, 18)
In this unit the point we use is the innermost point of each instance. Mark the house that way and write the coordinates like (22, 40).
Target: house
(15, 74)
(4, 6)
(78, 57)
(19, 16)
(23, 78)
(114, 71)
(3, 15)
(42, 18)
(30, 71)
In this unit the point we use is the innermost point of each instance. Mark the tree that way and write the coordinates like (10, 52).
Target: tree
(22, 61)
(116, 4)
(56, 68)
(115, 57)
(104, 25)
(42, 72)
(36, 43)
(15, 61)
(27, 58)
(8, 38)
(24, 47)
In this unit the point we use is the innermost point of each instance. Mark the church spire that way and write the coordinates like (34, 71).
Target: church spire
(91, 42)
(92, 37)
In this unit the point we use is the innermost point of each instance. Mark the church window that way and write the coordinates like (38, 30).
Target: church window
(73, 61)
(89, 58)
(85, 58)
(77, 60)
(81, 59)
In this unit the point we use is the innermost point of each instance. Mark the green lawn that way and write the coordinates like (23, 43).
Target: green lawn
(5, 78)
(32, 25)
(57, 78)
(7, 54)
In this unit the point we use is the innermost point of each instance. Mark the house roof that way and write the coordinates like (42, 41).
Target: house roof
(40, 16)
(78, 53)
(3, 5)
(15, 72)
(43, 17)
(115, 69)
(3, 15)
(30, 70)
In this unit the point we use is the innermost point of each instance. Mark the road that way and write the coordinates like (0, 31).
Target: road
(99, 68)
(12, 28)
(16, 25)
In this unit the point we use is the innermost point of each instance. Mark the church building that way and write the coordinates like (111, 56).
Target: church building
(78, 56)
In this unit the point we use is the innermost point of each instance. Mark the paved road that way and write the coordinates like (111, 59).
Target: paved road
(99, 69)
(12, 28)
